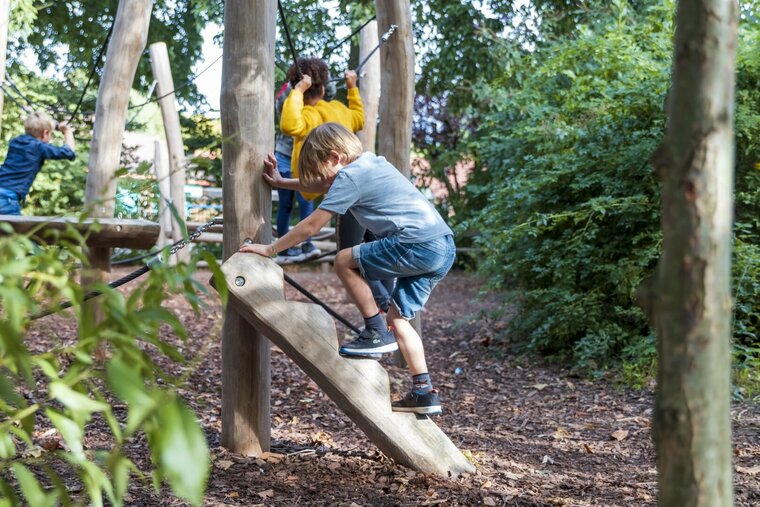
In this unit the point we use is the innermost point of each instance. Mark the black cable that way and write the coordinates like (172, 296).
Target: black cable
(315, 299)
(290, 41)
(329, 51)
(13, 99)
(383, 40)
(183, 85)
(92, 294)
(95, 65)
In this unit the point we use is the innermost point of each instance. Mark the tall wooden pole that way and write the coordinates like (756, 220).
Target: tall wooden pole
(161, 168)
(692, 297)
(247, 113)
(397, 91)
(124, 50)
(4, 16)
(162, 72)
(370, 85)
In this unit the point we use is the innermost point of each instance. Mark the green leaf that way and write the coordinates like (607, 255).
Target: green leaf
(71, 431)
(127, 384)
(31, 489)
(7, 447)
(182, 451)
(75, 401)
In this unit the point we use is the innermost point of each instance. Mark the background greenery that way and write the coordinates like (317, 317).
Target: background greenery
(557, 107)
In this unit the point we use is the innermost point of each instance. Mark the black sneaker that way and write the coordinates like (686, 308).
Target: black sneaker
(427, 403)
(370, 343)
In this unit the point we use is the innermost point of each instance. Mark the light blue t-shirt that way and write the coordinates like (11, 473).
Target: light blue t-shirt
(384, 201)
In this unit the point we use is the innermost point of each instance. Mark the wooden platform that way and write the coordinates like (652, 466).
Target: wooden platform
(110, 232)
(360, 387)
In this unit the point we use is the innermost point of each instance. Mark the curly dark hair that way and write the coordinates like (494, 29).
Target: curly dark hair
(317, 69)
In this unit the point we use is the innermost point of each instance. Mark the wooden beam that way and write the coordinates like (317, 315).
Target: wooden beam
(162, 72)
(108, 233)
(370, 85)
(247, 113)
(360, 387)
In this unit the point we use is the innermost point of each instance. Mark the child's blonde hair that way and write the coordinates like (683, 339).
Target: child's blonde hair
(37, 122)
(315, 152)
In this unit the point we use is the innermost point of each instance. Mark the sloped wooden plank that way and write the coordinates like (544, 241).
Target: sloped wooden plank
(360, 387)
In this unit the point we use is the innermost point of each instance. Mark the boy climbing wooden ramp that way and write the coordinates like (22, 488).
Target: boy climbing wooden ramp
(360, 387)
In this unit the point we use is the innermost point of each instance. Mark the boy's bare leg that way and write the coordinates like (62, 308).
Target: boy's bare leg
(409, 342)
(356, 286)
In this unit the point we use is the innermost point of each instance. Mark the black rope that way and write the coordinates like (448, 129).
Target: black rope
(95, 293)
(315, 299)
(329, 51)
(183, 85)
(290, 41)
(94, 68)
(13, 99)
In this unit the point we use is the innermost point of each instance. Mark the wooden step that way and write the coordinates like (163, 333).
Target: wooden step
(360, 387)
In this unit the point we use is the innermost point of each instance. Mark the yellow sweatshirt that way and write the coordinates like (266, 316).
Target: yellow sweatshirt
(298, 120)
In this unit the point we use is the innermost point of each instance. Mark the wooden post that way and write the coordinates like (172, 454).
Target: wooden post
(4, 15)
(691, 301)
(159, 61)
(370, 85)
(161, 168)
(124, 50)
(247, 113)
(397, 91)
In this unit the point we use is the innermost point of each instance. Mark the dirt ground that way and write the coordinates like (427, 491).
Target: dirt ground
(537, 435)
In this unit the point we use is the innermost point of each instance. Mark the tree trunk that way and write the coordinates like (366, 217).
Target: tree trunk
(397, 94)
(161, 168)
(692, 312)
(247, 113)
(124, 50)
(370, 85)
(162, 72)
(4, 15)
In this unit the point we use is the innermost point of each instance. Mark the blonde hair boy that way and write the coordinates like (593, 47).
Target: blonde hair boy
(37, 123)
(314, 163)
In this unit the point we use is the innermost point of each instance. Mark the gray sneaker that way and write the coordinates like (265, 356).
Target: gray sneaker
(370, 343)
(427, 403)
(290, 256)
(310, 251)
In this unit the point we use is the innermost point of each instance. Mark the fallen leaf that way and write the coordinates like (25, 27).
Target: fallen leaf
(511, 476)
(619, 435)
(588, 449)
(539, 387)
(547, 459)
(749, 471)
(233, 494)
(224, 464)
(560, 433)
(489, 501)
(269, 493)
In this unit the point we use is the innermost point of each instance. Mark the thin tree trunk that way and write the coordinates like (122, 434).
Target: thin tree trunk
(4, 15)
(247, 112)
(370, 85)
(127, 43)
(692, 309)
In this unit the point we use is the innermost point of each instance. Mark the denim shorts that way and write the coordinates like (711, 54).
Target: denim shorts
(418, 268)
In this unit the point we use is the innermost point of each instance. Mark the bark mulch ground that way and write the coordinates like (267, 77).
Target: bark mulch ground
(538, 435)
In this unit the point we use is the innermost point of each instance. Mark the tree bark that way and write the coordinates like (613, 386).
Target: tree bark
(692, 312)
(127, 43)
(161, 168)
(4, 15)
(370, 85)
(247, 113)
(397, 94)
(159, 60)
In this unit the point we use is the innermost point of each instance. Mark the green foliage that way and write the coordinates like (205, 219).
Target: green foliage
(58, 386)
(565, 201)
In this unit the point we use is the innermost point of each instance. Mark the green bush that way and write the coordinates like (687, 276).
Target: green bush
(570, 221)
(65, 390)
